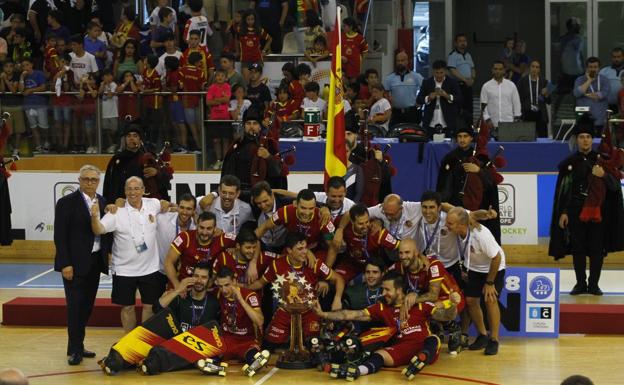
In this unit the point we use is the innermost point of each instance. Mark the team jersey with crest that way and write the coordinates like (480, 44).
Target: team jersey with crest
(191, 252)
(297, 93)
(282, 110)
(152, 81)
(415, 329)
(361, 248)
(313, 231)
(419, 282)
(250, 43)
(206, 63)
(283, 267)
(51, 61)
(234, 318)
(353, 47)
(193, 79)
(201, 24)
(239, 265)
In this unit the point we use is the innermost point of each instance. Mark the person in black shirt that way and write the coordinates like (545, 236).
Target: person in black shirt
(257, 90)
(196, 307)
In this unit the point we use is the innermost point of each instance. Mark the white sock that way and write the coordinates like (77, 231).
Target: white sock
(363, 370)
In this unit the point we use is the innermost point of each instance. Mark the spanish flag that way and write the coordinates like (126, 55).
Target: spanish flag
(335, 148)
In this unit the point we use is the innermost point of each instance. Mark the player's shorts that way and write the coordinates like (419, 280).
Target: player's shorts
(238, 346)
(476, 281)
(176, 110)
(278, 330)
(403, 351)
(124, 289)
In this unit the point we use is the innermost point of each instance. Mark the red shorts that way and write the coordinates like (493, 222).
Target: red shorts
(236, 346)
(349, 270)
(403, 351)
(278, 330)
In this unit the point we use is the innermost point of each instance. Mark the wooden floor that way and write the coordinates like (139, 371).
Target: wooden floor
(40, 353)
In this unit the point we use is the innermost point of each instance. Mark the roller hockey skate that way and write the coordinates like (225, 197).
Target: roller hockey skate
(260, 360)
(347, 371)
(455, 345)
(417, 363)
(111, 364)
(148, 367)
(211, 366)
(320, 356)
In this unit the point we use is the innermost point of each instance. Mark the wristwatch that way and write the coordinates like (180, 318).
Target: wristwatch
(491, 283)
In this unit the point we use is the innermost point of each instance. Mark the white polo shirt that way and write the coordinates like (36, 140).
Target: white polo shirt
(277, 235)
(480, 248)
(441, 242)
(347, 203)
(167, 230)
(231, 221)
(131, 228)
(407, 226)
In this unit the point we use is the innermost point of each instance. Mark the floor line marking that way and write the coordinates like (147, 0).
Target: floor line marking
(35, 277)
(267, 376)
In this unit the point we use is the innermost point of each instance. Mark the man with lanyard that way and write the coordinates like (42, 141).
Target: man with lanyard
(613, 74)
(304, 217)
(413, 345)
(171, 224)
(366, 293)
(592, 90)
(400, 218)
(241, 321)
(192, 246)
(428, 281)
(230, 211)
(403, 86)
(482, 261)
(267, 203)
(293, 265)
(361, 243)
(189, 301)
(245, 254)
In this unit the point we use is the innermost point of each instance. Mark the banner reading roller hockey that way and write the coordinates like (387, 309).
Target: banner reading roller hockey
(134, 346)
(201, 342)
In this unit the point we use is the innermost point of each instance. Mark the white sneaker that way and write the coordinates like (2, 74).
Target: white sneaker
(111, 149)
(38, 150)
(91, 150)
(15, 152)
(217, 165)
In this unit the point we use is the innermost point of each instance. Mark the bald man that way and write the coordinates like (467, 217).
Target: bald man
(12, 376)
(482, 263)
(402, 87)
(398, 217)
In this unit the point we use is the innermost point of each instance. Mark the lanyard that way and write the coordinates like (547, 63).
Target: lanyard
(429, 239)
(195, 320)
(592, 87)
(371, 296)
(413, 284)
(462, 251)
(141, 220)
(536, 91)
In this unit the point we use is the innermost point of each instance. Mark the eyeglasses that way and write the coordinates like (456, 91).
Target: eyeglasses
(90, 180)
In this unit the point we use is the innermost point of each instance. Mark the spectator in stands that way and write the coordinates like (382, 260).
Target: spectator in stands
(135, 252)
(305, 73)
(254, 42)
(126, 29)
(51, 61)
(35, 106)
(238, 104)
(109, 112)
(270, 11)
(165, 27)
(82, 62)
(105, 37)
(441, 97)
(128, 59)
(258, 92)
(315, 29)
(284, 107)
(21, 48)
(519, 65)
(84, 112)
(223, 12)
(38, 17)
(193, 80)
(507, 56)
(402, 87)
(128, 96)
(12, 101)
(312, 100)
(291, 80)
(613, 74)
(354, 47)
(217, 98)
(170, 51)
(571, 46)
(81, 256)
(17, 21)
(500, 97)
(592, 90)
(95, 46)
(231, 44)
(62, 103)
(173, 83)
(318, 51)
(157, 19)
(370, 76)
(227, 62)
(534, 96)
(206, 64)
(55, 26)
(381, 110)
(462, 68)
(152, 104)
(197, 22)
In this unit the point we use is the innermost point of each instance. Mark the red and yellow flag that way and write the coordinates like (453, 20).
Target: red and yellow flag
(335, 148)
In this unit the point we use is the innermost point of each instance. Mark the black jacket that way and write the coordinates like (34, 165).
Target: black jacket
(450, 110)
(73, 237)
(525, 97)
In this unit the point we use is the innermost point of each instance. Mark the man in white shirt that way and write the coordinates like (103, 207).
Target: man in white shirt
(135, 261)
(500, 97)
(231, 212)
(482, 261)
(82, 62)
(267, 203)
(398, 217)
(170, 50)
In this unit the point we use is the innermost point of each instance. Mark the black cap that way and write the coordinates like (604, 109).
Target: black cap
(134, 127)
(255, 67)
(584, 125)
(252, 114)
(352, 122)
(465, 129)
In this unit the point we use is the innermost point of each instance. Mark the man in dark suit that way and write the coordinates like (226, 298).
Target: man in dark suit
(441, 96)
(80, 257)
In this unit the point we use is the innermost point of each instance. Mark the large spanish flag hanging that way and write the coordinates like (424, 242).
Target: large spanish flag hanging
(335, 149)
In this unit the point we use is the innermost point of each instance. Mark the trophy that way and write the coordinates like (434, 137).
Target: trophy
(296, 296)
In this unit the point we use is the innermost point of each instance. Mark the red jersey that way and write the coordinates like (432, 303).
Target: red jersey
(67, 84)
(173, 80)
(232, 31)
(353, 47)
(419, 282)
(360, 249)
(128, 105)
(234, 318)
(206, 63)
(51, 61)
(313, 231)
(297, 93)
(250, 45)
(191, 252)
(129, 30)
(414, 330)
(152, 82)
(282, 110)
(193, 79)
(239, 265)
(283, 267)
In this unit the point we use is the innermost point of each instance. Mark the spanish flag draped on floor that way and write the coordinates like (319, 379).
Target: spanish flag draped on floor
(335, 149)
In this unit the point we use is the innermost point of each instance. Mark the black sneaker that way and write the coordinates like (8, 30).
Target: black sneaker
(480, 343)
(595, 290)
(492, 348)
(579, 288)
